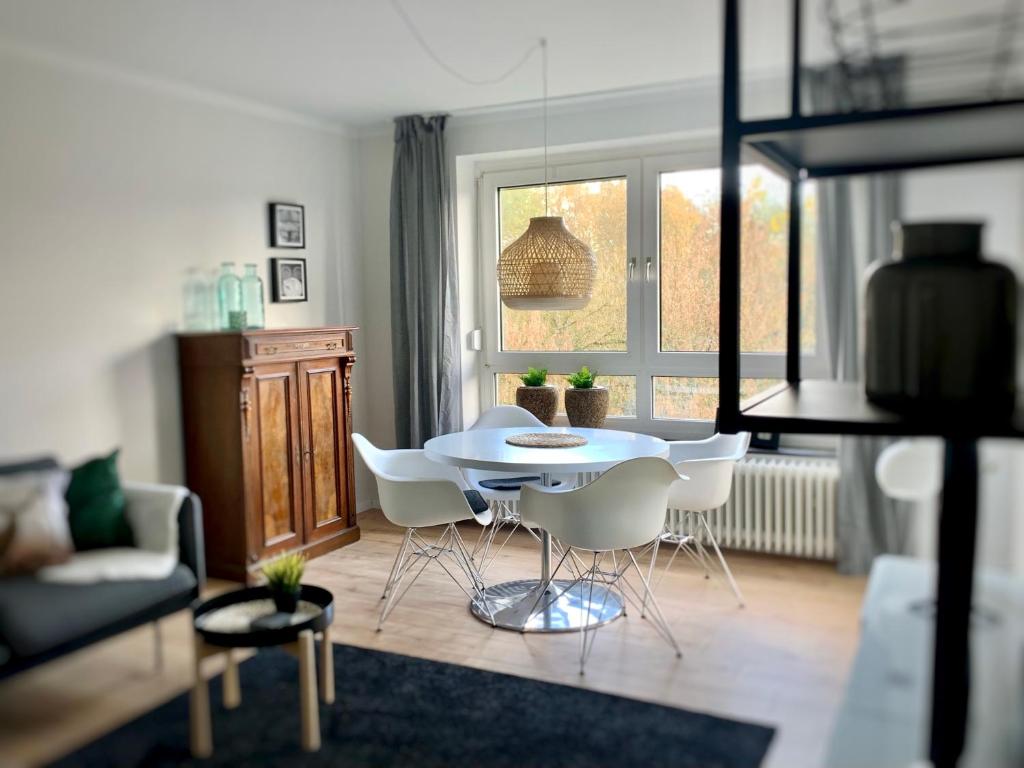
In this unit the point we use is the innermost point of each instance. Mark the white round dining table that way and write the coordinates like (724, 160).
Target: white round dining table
(544, 605)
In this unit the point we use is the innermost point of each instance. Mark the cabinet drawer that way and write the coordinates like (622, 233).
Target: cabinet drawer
(267, 347)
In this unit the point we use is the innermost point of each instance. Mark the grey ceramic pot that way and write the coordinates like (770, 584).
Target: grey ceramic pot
(586, 407)
(542, 402)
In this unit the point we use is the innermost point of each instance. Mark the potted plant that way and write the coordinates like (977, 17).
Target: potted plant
(585, 404)
(537, 396)
(284, 580)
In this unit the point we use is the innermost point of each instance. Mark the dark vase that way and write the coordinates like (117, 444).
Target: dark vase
(285, 602)
(940, 324)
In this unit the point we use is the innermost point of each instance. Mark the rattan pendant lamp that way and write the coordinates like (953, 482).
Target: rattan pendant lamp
(546, 268)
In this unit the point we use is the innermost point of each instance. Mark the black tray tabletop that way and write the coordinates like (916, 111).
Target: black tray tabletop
(263, 637)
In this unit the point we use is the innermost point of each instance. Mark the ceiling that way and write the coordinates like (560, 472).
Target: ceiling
(355, 61)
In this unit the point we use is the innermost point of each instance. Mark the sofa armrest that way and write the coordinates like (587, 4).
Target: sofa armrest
(191, 547)
(167, 518)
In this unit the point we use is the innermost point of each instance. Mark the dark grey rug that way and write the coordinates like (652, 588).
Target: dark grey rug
(396, 711)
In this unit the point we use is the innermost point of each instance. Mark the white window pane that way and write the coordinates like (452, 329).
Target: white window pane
(691, 397)
(689, 261)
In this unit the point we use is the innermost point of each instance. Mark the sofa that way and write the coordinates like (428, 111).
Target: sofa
(41, 620)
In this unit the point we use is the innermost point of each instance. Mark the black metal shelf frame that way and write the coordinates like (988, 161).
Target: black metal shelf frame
(799, 146)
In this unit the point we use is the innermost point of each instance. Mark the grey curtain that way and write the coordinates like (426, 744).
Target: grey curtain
(424, 285)
(854, 230)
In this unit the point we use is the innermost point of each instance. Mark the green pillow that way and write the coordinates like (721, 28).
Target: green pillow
(96, 506)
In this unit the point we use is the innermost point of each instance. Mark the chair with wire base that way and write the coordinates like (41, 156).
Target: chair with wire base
(501, 489)
(601, 526)
(707, 466)
(417, 493)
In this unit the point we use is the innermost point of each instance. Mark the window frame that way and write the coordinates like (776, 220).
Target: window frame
(643, 358)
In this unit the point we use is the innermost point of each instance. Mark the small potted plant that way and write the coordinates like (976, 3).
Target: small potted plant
(284, 580)
(537, 396)
(586, 405)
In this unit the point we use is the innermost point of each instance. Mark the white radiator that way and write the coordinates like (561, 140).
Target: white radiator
(780, 504)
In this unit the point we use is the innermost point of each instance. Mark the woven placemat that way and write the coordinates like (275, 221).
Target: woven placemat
(546, 440)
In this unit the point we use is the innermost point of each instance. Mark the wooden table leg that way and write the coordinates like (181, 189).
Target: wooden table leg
(232, 687)
(200, 730)
(310, 707)
(326, 667)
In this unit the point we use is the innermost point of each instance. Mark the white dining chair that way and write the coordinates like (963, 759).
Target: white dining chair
(501, 489)
(708, 466)
(605, 520)
(417, 493)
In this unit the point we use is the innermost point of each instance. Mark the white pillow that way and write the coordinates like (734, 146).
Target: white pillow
(34, 527)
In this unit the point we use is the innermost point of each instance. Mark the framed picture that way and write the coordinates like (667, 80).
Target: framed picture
(287, 225)
(288, 278)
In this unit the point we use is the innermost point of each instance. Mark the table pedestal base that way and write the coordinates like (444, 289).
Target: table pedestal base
(523, 606)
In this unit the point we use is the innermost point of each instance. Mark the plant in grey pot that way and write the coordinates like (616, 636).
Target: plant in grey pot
(537, 396)
(284, 580)
(586, 405)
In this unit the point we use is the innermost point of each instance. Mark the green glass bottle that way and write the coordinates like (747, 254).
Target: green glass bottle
(252, 297)
(229, 298)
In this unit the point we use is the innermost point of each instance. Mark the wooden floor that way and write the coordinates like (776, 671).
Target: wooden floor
(781, 661)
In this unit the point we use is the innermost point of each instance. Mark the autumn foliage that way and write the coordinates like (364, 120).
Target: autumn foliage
(687, 295)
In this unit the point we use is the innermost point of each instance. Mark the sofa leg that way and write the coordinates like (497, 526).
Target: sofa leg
(158, 647)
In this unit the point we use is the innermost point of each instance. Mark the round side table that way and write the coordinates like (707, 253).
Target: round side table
(247, 618)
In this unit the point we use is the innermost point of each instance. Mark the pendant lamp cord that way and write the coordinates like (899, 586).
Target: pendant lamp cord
(544, 77)
(427, 49)
(542, 44)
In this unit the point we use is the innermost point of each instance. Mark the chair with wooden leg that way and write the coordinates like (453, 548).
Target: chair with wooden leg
(604, 523)
(417, 493)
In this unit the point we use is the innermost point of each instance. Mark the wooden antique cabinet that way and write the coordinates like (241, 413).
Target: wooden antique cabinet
(268, 442)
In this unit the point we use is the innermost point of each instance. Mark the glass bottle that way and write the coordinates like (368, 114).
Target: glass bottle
(229, 298)
(212, 306)
(252, 297)
(194, 299)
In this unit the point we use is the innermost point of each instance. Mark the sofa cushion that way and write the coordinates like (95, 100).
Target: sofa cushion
(33, 521)
(96, 505)
(36, 617)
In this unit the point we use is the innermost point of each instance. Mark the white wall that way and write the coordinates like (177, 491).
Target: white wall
(993, 193)
(110, 187)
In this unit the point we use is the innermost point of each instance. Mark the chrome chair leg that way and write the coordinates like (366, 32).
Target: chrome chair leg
(394, 565)
(721, 559)
(658, 618)
(415, 549)
(690, 544)
(589, 584)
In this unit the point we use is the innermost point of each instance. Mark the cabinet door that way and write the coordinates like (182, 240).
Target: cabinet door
(273, 477)
(324, 447)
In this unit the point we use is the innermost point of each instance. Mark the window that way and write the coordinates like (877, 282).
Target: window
(651, 329)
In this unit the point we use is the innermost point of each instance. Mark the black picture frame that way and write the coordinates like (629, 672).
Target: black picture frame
(282, 269)
(287, 225)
